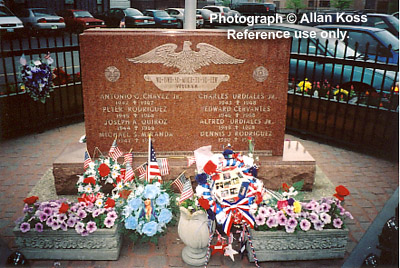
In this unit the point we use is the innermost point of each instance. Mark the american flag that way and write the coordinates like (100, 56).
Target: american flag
(128, 158)
(129, 174)
(191, 160)
(187, 191)
(179, 181)
(115, 152)
(142, 171)
(87, 160)
(163, 165)
(152, 169)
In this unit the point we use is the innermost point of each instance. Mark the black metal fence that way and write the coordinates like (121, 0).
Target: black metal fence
(335, 93)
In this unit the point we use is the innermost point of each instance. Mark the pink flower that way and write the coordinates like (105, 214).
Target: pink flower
(337, 223)
(260, 220)
(271, 222)
(282, 204)
(305, 225)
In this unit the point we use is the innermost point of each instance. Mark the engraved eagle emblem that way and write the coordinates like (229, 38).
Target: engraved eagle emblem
(187, 60)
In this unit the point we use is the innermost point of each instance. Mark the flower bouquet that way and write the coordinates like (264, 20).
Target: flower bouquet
(37, 78)
(149, 209)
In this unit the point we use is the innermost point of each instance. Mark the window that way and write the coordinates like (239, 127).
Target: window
(363, 39)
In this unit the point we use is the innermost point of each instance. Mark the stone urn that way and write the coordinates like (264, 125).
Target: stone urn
(193, 229)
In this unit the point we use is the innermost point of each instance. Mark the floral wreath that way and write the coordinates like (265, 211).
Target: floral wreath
(37, 78)
(240, 209)
(104, 170)
(149, 210)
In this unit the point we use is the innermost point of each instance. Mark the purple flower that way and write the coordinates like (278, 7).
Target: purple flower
(61, 217)
(96, 213)
(305, 225)
(48, 211)
(337, 223)
(260, 220)
(84, 233)
(319, 225)
(81, 214)
(291, 222)
(25, 227)
(311, 205)
(326, 218)
(71, 221)
(290, 201)
(289, 229)
(263, 211)
(79, 227)
(271, 211)
(39, 227)
(49, 221)
(63, 226)
(91, 227)
(43, 216)
(280, 214)
(289, 211)
(112, 214)
(25, 209)
(109, 222)
(55, 225)
(282, 220)
(271, 222)
(313, 217)
(326, 207)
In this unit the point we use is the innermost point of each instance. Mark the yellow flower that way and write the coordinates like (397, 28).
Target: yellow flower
(23, 87)
(342, 91)
(304, 85)
(297, 207)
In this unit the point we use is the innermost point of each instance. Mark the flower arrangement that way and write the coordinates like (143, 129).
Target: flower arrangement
(104, 170)
(37, 77)
(149, 209)
(283, 212)
(61, 214)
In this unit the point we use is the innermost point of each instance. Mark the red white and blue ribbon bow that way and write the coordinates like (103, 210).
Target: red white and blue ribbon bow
(243, 207)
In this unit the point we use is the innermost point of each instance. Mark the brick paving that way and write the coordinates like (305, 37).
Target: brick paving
(23, 161)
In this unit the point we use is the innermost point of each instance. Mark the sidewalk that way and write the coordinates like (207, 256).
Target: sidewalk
(24, 160)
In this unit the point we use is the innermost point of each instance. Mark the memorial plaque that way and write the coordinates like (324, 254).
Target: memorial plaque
(186, 88)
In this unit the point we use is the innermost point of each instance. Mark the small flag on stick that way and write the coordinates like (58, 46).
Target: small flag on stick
(115, 152)
(163, 165)
(128, 158)
(87, 160)
(187, 190)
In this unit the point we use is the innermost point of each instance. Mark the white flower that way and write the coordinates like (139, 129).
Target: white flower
(88, 188)
(139, 190)
(107, 162)
(91, 166)
(120, 185)
(37, 62)
(115, 167)
(80, 179)
(99, 202)
(80, 188)
(114, 174)
(97, 188)
(109, 180)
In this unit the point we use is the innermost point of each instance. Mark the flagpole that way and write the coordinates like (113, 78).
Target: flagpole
(148, 159)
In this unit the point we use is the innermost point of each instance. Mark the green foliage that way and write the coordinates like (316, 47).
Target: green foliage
(341, 4)
(295, 4)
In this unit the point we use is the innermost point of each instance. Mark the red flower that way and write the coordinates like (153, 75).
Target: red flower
(104, 170)
(89, 180)
(64, 208)
(204, 203)
(110, 203)
(285, 187)
(31, 200)
(259, 198)
(282, 204)
(341, 192)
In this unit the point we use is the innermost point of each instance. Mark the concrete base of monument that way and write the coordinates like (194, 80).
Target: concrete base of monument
(296, 164)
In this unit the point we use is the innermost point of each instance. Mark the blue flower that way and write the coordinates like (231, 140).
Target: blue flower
(151, 191)
(165, 216)
(201, 178)
(131, 223)
(150, 228)
(163, 200)
(135, 203)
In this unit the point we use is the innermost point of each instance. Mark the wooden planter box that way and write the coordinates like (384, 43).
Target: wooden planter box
(103, 244)
(311, 245)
